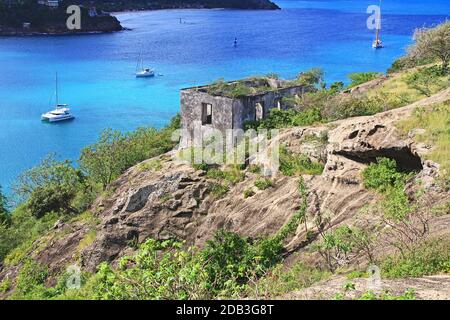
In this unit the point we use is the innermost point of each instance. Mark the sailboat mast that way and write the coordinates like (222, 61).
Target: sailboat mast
(57, 97)
(379, 24)
(138, 62)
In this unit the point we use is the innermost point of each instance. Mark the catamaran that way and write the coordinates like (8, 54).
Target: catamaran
(142, 72)
(377, 43)
(61, 112)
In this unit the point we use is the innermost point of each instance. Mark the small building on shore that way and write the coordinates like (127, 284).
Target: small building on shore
(229, 105)
(49, 3)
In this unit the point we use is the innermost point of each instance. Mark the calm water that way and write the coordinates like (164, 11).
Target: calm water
(97, 71)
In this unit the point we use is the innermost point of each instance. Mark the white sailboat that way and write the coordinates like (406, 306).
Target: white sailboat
(61, 111)
(377, 43)
(141, 71)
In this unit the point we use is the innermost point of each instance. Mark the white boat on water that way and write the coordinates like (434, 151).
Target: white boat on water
(377, 43)
(141, 71)
(61, 112)
(145, 73)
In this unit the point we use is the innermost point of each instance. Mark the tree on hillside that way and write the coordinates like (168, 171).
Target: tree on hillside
(4, 215)
(48, 187)
(433, 44)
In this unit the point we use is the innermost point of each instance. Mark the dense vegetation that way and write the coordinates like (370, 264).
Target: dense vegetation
(57, 190)
(115, 152)
(329, 103)
(428, 59)
(4, 215)
(362, 77)
(169, 270)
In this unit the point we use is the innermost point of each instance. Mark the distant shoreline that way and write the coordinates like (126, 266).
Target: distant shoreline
(52, 34)
(115, 14)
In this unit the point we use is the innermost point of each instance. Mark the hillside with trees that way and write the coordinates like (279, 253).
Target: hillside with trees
(41, 19)
(114, 6)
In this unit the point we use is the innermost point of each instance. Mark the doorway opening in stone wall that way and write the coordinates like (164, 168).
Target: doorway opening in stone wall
(259, 111)
(206, 113)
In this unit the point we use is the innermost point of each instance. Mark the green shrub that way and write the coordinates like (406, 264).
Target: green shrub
(30, 282)
(337, 247)
(284, 280)
(429, 258)
(17, 237)
(395, 204)
(386, 295)
(278, 119)
(306, 118)
(312, 78)
(232, 175)
(160, 270)
(263, 184)
(426, 80)
(4, 214)
(218, 190)
(362, 77)
(292, 164)
(354, 106)
(5, 285)
(230, 258)
(432, 43)
(49, 187)
(337, 87)
(229, 89)
(253, 168)
(201, 166)
(248, 193)
(404, 63)
(382, 175)
(115, 152)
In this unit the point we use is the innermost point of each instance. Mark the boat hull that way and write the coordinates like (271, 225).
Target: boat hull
(56, 119)
(144, 74)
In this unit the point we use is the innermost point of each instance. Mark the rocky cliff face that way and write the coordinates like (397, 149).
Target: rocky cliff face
(175, 200)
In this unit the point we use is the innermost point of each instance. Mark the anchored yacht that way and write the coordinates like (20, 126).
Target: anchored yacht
(142, 72)
(61, 112)
(145, 73)
(377, 43)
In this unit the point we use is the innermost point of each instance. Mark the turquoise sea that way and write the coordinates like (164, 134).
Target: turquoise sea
(97, 71)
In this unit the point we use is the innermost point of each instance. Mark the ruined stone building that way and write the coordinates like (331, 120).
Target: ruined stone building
(228, 105)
